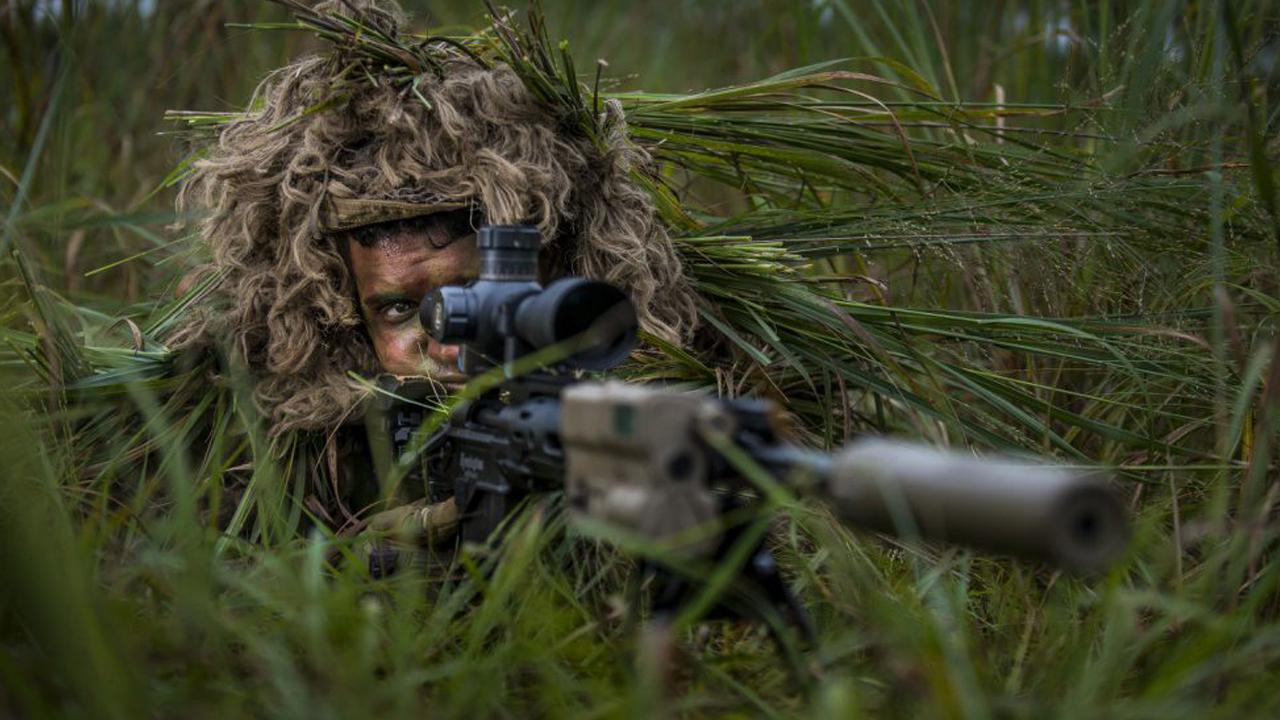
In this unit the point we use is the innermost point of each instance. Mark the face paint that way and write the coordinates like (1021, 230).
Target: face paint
(393, 271)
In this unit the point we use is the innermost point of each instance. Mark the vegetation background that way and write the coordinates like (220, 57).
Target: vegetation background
(1127, 193)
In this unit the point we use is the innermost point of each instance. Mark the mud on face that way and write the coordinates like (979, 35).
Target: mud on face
(395, 265)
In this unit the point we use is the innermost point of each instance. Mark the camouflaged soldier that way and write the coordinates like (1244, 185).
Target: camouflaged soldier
(333, 205)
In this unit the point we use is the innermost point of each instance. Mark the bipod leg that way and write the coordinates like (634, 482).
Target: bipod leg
(759, 594)
(765, 596)
(762, 572)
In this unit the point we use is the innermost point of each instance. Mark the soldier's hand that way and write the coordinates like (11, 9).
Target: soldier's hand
(406, 529)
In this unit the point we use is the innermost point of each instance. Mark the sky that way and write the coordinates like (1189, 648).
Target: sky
(54, 7)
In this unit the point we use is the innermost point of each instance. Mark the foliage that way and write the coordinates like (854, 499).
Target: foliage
(1044, 226)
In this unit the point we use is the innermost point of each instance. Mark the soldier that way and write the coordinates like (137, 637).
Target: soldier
(340, 199)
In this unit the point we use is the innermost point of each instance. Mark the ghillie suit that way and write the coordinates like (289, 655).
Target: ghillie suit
(780, 219)
(325, 150)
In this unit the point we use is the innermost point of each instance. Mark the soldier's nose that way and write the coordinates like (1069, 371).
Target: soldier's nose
(444, 355)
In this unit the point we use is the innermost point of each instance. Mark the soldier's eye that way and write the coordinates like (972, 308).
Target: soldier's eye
(397, 311)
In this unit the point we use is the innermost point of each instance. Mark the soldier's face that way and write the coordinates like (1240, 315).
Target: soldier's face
(393, 271)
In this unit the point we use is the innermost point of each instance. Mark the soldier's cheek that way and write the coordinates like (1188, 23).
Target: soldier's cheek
(446, 356)
(400, 351)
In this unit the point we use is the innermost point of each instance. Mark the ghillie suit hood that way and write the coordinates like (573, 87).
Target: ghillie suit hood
(326, 145)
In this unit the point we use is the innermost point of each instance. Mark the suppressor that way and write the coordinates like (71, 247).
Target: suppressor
(1071, 518)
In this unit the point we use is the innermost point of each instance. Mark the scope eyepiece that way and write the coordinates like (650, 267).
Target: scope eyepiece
(505, 313)
(449, 314)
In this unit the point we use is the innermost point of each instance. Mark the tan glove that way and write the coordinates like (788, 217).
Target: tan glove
(416, 523)
(406, 529)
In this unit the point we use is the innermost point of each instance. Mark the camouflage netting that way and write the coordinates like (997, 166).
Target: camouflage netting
(325, 127)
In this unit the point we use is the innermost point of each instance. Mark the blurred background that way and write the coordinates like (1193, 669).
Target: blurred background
(86, 83)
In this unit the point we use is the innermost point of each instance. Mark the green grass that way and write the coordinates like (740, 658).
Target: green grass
(1036, 226)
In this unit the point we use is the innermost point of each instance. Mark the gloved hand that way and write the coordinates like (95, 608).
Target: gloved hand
(406, 529)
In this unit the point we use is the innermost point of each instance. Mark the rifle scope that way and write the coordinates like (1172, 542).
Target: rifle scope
(506, 314)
